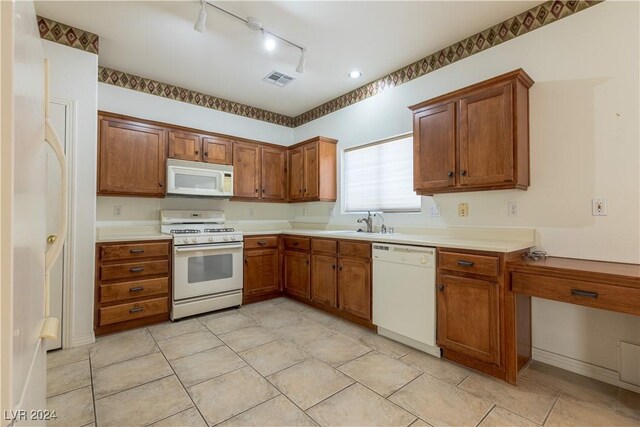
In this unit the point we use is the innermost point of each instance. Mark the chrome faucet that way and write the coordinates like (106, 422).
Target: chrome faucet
(367, 220)
(383, 228)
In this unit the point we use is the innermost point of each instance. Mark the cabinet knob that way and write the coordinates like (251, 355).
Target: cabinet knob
(340, 268)
(463, 172)
(333, 266)
(450, 174)
(441, 288)
(160, 184)
(196, 153)
(246, 260)
(307, 261)
(205, 153)
(300, 191)
(263, 191)
(256, 190)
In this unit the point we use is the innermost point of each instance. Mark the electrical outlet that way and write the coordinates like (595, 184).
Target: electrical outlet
(512, 209)
(117, 210)
(250, 212)
(599, 207)
(463, 209)
(304, 211)
(435, 210)
(330, 211)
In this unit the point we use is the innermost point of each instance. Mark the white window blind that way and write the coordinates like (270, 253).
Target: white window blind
(379, 177)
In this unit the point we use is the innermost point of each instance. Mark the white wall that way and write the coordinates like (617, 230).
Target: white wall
(584, 144)
(73, 76)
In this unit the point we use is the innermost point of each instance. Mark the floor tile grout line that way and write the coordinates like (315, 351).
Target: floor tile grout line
(195, 352)
(553, 406)
(181, 384)
(486, 415)
(93, 396)
(248, 409)
(172, 415)
(135, 386)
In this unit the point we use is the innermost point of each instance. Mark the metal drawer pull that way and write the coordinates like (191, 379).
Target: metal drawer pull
(136, 269)
(136, 251)
(441, 288)
(585, 294)
(463, 263)
(262, 242)
(136, 310)
(136, 289)
(295, 243)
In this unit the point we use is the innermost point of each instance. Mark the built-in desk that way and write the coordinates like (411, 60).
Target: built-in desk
(598, 284)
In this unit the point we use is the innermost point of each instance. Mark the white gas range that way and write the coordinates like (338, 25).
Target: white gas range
(207, 262)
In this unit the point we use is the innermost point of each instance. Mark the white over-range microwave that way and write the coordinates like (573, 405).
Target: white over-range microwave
(199, 179)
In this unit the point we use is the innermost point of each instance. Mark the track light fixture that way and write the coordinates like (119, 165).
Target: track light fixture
(270, 39)
(201, 22)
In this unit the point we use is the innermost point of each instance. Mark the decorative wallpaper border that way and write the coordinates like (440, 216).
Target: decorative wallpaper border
(67, 35)
(532, 19)
(153, 87)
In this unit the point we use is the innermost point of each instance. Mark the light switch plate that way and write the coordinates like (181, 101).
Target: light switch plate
(435, 210)
(463, 209)
(599, 207)
(513, 209)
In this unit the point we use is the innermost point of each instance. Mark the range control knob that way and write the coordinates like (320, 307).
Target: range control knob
(232, 238)
(226, 238)
(194, 240)
(212, 239)
(184, 240)
(423, 259)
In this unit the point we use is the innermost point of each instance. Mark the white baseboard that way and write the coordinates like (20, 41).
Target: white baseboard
(599, 373)
(85, 340)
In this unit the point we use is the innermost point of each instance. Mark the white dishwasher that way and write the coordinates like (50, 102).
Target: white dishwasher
(404, 295)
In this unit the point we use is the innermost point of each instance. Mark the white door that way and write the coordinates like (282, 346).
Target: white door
(22, 210)
(58, 113)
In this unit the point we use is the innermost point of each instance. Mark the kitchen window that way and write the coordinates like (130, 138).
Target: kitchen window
(379, 177)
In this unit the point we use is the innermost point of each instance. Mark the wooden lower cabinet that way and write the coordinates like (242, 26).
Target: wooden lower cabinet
(133, 284)
(261, 272)
(468, 319)
(354, 287)
(324, 279)
(296, 274)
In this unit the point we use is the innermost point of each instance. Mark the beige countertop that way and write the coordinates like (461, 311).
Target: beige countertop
(442, 239)
(457, 242)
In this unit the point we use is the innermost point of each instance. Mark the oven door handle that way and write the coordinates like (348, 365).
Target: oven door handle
(208, 247)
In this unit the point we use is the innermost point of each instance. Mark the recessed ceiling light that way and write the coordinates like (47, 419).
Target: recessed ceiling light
(269, 43)
(355, 74)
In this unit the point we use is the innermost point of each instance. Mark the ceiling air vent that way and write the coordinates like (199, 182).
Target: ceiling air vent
(278, 79)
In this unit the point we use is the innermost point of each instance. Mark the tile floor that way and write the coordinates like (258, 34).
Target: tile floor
(280, 362)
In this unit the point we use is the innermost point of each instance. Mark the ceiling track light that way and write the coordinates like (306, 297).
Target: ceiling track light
(201, 22)
(270, 38)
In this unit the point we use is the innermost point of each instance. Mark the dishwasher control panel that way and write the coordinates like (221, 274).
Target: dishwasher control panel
(412, 255)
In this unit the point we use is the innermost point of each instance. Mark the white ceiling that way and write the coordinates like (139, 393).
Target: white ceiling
(156, 40)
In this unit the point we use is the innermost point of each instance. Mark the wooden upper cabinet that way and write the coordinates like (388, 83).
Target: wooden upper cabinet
(468, 317)
(312, 170)
(259, 171)
(434, 150)
(273, 173)
(296, 174)
(217, 150)
(476, 138)
(486, 137)
(185, 146)
(246, 171)
(131, 157)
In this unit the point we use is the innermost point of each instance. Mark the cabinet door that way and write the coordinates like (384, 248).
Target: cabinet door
(273, 173)
(354, 287)
(468, 320)
(246, 170)
(296, 273)
(185, 146)
(324, 279)
(132, 158)
(296, 173)
(434, 142)
(486, 137)
(261, 272)
(216, 150)
(311, 185)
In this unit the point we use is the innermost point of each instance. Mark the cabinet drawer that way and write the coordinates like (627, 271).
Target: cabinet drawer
(261, 242)
(467, 263)
(133, 251)
(325, 246)
(598, 295)
(134, 310)
(299, 243)
(134, 269)
(139, 288)
(355, 249)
